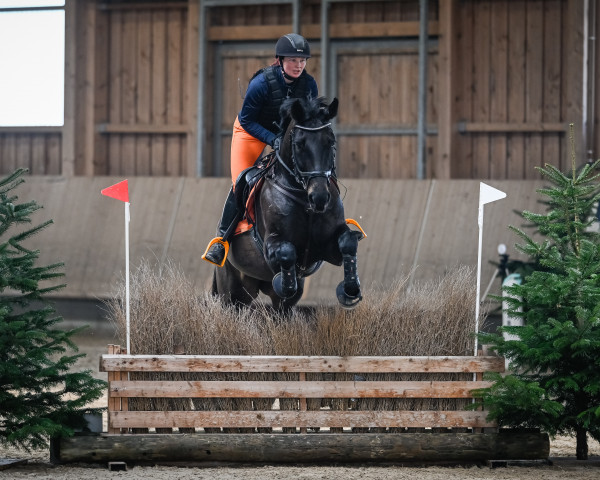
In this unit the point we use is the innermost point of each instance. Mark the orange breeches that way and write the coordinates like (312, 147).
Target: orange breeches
(245, 149)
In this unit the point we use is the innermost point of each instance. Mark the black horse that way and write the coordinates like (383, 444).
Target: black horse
(299, 217)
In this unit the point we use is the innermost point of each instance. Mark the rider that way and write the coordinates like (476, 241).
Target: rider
(256, 125)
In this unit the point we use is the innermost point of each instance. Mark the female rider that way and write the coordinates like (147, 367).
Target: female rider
(256, 125)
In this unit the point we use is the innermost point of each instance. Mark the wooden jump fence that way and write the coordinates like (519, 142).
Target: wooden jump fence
(297, 409)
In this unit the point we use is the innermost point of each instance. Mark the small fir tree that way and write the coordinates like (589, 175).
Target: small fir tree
(555, 359)
(41, 396)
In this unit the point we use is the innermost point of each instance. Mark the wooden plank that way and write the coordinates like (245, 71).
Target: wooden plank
(506, 127)
(23, 152)
(268, 363)
(8, 153)
(311, 31)
(54, 155)
(303, 448)
(174, 90)
(115, 87)
(190, 104)
(516, 88)
(85, 165)
(481, 82)
(114, 403)
(534, 79)
(290, 389)
(158, 111)
(38, 155)
(498, 85)
(144, 90)
(67, 164)
(143, 6)
(128, 89)
(447, 84)
(572, 84)
(141, 128)
(311, 418)
(31, 130)
(101, 99)
(462, 163)
(552, 87)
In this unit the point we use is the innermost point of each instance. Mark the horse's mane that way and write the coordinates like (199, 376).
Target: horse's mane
(313, 108)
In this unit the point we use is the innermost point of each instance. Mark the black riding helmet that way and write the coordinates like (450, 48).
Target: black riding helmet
(292, 45)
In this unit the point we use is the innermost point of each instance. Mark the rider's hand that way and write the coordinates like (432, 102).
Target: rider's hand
(276, 144)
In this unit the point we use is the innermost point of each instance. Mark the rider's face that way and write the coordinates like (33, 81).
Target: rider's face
(294, 66)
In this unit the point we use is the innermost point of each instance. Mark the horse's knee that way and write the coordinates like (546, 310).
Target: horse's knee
(348, 242)
(282, 255)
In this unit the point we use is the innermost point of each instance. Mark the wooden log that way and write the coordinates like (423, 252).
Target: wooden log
(311, 418)
(289, 389)
(302, 448)
(266, 363)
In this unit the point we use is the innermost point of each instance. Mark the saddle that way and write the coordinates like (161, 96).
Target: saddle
(247, 187)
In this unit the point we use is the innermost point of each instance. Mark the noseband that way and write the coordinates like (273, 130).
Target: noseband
(301, 176)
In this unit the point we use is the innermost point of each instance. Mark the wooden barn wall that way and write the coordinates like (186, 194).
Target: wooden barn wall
(142, 106)
(376, 82)
(505, 78)
(39, 152)
(519, 86)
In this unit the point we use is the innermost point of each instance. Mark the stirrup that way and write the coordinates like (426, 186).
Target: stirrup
(351, 221)
(225, 244)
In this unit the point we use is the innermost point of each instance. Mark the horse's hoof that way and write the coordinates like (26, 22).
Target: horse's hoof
(279, 288)
(347, 301)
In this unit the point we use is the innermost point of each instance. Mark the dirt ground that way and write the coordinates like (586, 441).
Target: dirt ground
(561, 465)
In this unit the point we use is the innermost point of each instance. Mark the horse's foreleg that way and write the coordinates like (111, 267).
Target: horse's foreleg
(348, 291)
(281, 256)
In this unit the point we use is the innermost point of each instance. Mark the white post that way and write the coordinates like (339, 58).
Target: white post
(477, 303)
(487, 194)
(127, 276)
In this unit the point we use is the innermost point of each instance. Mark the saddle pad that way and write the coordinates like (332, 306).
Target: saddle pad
(249, 217)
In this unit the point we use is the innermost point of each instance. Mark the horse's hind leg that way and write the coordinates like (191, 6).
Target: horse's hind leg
(348, 291)
(228, 282)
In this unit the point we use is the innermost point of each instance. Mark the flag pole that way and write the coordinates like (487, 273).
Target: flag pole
(120, 191)
(127, 315)
(477, 303)
(487, 194)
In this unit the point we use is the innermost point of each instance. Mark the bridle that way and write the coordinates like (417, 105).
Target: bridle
(304, 177)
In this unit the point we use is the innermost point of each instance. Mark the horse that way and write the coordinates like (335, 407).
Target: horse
(299, 218)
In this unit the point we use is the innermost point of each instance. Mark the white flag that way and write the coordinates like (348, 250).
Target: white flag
(489, 194)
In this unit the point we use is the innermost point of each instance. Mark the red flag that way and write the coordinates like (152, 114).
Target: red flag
(120, 191)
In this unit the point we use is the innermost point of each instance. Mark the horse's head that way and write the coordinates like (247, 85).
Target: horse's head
(308, 146)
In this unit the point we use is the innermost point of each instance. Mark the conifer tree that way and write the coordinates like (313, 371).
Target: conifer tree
(555, 360)
(41, 394)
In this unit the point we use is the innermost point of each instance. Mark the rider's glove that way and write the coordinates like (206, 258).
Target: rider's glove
(276, 144)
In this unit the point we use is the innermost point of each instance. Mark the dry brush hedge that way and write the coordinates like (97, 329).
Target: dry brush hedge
(168, 316)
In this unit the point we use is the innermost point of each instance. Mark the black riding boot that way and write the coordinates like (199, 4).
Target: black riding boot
(217, 249)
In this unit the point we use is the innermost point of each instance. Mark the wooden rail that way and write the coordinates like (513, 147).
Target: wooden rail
(350, 385)
(233, 397)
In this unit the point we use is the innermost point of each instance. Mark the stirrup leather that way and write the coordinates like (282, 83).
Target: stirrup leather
(351, 221)
(225, 244)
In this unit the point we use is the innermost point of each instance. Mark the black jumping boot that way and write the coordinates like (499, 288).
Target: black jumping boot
(217, 249)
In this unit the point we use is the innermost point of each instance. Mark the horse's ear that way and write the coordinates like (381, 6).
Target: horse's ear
(332, 109)
(297, 111)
